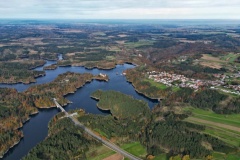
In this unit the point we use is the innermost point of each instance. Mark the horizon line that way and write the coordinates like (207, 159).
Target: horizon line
(118, 19)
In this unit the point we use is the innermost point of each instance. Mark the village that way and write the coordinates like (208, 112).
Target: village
(181, 81)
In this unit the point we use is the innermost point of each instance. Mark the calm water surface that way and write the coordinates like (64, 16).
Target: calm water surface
(36, 129)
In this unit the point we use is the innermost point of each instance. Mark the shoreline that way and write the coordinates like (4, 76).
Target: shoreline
(104, 110)
(106, 79)
(23, 82)
(15, 143)
(18, 128)
(151, 98)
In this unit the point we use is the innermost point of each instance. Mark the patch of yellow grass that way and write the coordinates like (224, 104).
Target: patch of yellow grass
(210, 61)
(211, 58)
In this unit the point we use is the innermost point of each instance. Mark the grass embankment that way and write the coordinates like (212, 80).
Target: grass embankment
(135, 148)
(225, 127)
(161, 86)
(156, 84)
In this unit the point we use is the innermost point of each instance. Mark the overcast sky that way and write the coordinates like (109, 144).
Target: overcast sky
(120, 9)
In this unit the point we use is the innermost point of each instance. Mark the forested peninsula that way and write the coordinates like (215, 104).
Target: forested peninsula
(16, 107)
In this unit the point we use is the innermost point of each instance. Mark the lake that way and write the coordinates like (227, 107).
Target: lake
(36, 129)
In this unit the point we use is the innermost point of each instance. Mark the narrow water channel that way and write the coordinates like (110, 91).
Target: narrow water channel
(36, 129)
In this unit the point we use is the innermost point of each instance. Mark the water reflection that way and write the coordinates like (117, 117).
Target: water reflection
(36, 129)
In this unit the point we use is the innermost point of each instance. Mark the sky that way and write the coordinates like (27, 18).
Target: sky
(120, 9)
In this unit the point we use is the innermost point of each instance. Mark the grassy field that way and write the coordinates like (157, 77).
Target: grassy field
(156, 84)
(110, 58)
(161, 86)
(138, 44)
(224, 127)
(135, 148)
(161, 157)
(102, 152)
(229, 57)
(232, 119)
(99, 153)
(221, 156)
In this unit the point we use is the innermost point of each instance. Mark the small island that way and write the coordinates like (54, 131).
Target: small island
(50, 67)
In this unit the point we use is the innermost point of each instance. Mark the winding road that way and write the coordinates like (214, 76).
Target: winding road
(89, 132)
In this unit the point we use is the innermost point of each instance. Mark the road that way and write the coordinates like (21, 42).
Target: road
(89, 132)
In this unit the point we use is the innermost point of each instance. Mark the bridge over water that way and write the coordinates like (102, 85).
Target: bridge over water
(92, 134)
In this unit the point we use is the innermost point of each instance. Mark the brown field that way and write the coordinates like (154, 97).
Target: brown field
(212, 62)
(116, 156)
(211, 65)
(210, 58)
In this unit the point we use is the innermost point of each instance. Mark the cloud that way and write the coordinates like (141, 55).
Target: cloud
(119, 9)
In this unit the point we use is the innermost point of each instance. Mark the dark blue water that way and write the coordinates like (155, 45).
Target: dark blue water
(36, 129)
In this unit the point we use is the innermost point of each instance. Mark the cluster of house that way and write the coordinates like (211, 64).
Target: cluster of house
(234, 89)
(174, 80)
(181, 81)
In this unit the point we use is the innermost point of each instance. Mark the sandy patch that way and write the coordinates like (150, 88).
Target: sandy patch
(116, 156)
